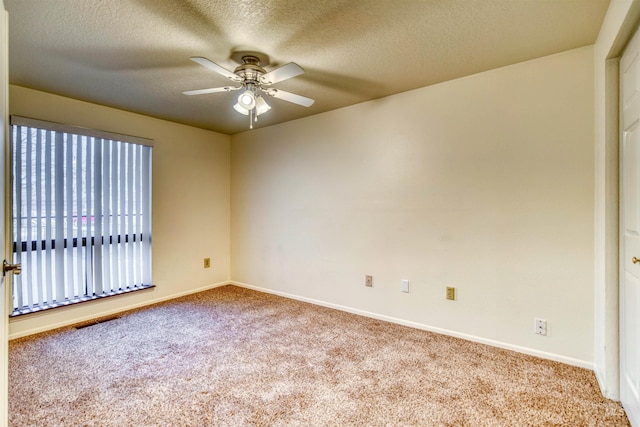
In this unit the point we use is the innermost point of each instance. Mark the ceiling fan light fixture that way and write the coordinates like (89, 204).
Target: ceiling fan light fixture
(247, 99)
(240, 109)
(261, 106)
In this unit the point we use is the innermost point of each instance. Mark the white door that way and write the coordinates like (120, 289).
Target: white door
(4, 292)
(630, 231)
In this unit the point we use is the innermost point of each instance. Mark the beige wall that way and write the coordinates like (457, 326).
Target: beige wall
(484, 183)
(190, 202)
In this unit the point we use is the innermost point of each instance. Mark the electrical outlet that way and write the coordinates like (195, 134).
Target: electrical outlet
(368, 281)
(451, 293)
(404, 287)
(207, 262)
(540, 327)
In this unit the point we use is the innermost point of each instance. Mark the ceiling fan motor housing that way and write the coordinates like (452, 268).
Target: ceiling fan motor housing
(250, 70)
(249, 67)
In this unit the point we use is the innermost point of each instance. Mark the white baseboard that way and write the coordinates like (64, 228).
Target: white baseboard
(499, 344)
(81, 319)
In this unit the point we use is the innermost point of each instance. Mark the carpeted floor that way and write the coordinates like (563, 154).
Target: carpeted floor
(235, 357)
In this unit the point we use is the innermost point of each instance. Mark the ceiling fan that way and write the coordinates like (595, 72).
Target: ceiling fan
(254, 81)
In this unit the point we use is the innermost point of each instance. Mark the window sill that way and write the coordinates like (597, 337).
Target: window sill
(78, 300)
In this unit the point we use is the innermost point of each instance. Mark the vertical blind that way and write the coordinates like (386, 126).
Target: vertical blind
(81, 214)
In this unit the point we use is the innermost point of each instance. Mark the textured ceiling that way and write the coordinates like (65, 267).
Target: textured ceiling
(134, 54)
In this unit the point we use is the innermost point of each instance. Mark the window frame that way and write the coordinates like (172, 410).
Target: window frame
(100, 238)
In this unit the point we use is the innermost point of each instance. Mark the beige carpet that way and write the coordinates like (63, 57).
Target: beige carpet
(235, 357)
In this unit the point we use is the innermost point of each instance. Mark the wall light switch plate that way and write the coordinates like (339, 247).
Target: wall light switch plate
(405, 286)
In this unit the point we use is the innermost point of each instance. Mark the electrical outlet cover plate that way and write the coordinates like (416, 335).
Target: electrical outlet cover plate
(368, 281)
(207, 262)
(540, 327)
(451, 293)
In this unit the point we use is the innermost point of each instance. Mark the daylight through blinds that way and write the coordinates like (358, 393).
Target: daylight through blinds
(81, 214)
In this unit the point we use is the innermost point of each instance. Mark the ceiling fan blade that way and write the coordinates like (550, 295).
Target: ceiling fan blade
(282, 73)
(211, 90)
(217, 68)
(291, 97)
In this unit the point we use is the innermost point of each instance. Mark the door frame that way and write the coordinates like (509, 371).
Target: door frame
(5, 298)
(618, 27)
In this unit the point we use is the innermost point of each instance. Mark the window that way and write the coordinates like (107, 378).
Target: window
(81, 214)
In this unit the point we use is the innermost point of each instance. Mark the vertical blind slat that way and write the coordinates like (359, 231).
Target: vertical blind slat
(129, 218)
(69, 277)
(38, 182)
(97, 216)
(138, 229)
(122, 220)
(108, 252)
(146, 213)
(115, 216)
(88, 212)
(59, 215)
(48, 213)
(27, 215)
(79, 288)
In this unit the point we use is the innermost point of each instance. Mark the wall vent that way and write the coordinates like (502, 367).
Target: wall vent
(95, 322)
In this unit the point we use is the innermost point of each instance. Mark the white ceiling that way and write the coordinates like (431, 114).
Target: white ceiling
(134, 54)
